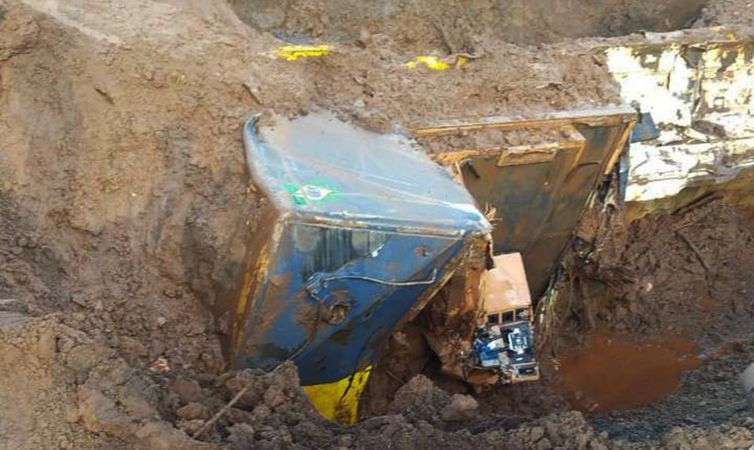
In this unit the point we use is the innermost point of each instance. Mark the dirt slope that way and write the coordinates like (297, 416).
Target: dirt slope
(124, 204)
(672, 279)
(726, 12)
(420, 24)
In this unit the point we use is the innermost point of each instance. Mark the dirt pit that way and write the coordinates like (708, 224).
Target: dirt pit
(609, 374)
(655, 330)
(122, 188)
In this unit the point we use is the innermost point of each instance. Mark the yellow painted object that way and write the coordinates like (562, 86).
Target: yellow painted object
(431, 62)
(339, 401)
(294, 52)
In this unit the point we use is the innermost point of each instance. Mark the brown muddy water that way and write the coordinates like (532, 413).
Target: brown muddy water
(612, 373)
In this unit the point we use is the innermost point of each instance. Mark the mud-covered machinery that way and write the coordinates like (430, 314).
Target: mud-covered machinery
(533, 178)
(503, 345)
(357, 232)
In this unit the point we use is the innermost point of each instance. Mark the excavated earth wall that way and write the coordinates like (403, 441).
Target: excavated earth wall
(123, 195)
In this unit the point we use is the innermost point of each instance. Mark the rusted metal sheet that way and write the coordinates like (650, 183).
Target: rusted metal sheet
(535, 199)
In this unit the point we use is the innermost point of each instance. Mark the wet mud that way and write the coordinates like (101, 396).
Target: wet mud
(611, 374)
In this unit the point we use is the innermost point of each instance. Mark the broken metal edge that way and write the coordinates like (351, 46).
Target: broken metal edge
(349, 220)
(608, 115)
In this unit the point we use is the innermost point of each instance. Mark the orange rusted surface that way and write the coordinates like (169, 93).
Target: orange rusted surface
(505, 288)
(532, 177)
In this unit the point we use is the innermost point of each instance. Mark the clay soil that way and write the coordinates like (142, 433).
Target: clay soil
(666, 301)
(123, 195)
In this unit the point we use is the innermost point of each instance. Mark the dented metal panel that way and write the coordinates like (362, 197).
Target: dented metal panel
(361, 231)
(699, 94)
(535, 204)
(505, 287)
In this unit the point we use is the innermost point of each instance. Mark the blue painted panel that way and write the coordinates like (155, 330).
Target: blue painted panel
(365, 226)
(377, 286)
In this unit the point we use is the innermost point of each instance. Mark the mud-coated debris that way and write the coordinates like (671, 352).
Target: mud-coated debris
(241, 436)
(461, 407)
(193, 411)
(160, 365)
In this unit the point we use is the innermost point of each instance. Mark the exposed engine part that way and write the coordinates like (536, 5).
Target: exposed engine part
(506, 349)
(504, 343)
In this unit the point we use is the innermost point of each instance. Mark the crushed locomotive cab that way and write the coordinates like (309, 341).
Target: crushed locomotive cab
(504, 344)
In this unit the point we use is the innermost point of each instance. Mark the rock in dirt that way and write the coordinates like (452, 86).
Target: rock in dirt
(420, 397)
(189, 391)
(100, 414)
(241, 436)
(193, 411)
(163, 436)
(190, 427)
(461, 407)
